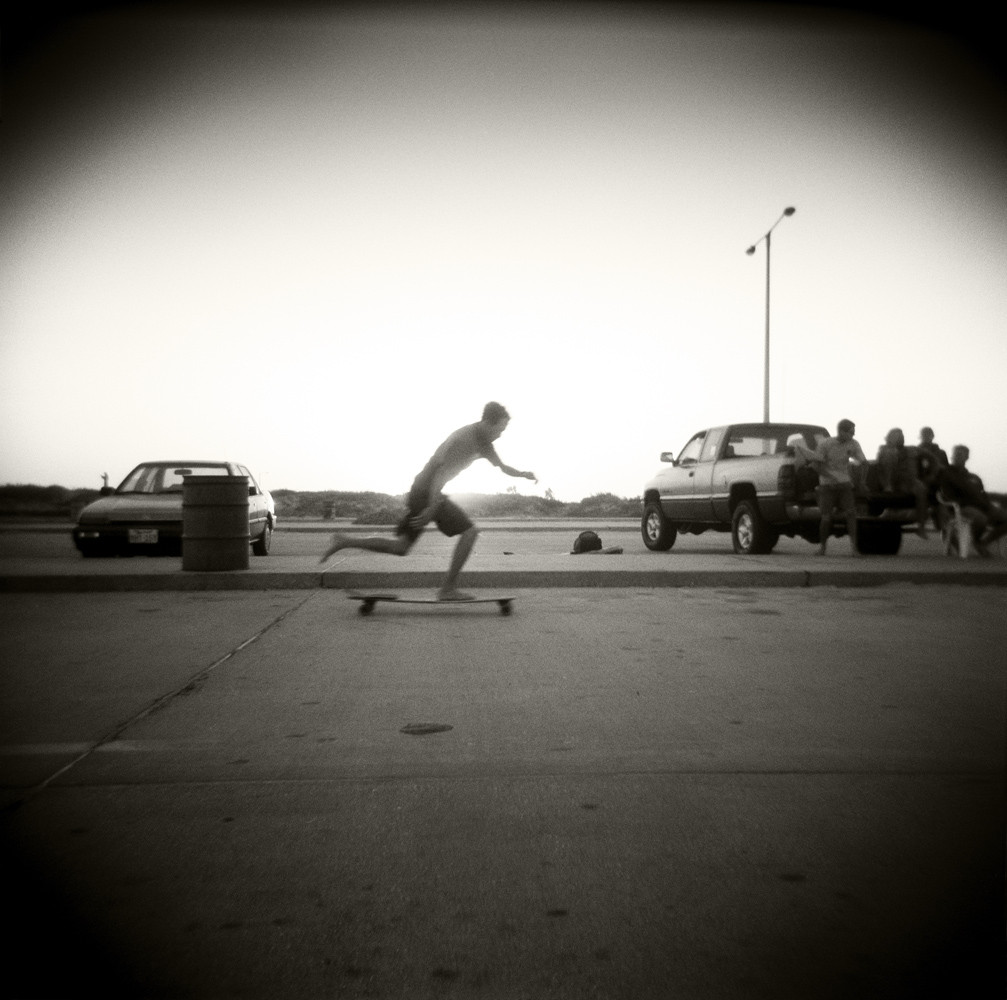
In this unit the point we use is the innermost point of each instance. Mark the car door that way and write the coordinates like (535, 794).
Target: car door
(702, 480)
(676, 483)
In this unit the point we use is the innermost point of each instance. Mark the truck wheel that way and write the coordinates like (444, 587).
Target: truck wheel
(658, 534)
(876, 539)
(750, 532)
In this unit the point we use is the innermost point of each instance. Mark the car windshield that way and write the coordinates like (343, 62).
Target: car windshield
(161, 478)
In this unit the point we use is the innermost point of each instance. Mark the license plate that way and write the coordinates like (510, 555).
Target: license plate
(143, 536)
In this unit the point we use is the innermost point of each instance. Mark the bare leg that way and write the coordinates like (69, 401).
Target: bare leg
(824, 531)
(397, 546)
(463, 549)
(851, 530)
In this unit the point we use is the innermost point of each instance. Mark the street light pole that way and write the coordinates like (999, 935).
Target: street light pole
(751, 250)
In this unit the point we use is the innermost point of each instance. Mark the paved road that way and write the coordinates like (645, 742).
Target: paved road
(309, 539)
(540, 537)
(626, 794)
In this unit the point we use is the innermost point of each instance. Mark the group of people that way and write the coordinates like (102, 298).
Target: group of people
(923, 472)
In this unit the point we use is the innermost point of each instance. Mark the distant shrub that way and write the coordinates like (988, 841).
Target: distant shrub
(325, 505)
(381, 515)
(381, 508)
(605, 505)
(19, 500)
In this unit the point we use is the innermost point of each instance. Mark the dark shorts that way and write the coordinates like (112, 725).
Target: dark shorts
(450, 518)
(833, 495)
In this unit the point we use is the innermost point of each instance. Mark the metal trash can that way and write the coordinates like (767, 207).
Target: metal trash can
(215, 522)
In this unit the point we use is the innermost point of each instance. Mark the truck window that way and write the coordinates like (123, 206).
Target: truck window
(749, 445)
(712, 444)
(689, 455)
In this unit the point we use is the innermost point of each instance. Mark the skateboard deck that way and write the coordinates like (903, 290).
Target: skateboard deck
(367, 601)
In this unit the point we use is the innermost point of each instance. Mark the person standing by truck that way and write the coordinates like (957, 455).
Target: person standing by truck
(832, 460)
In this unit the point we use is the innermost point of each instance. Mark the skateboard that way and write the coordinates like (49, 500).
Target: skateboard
(367, 601)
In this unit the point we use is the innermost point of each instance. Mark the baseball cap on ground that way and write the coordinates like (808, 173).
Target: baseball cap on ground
(586, 541)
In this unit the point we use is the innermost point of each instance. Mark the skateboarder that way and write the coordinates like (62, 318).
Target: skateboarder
(427, 502)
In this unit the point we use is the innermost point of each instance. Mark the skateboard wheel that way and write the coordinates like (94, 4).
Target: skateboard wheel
(505, 608)
(365, 608)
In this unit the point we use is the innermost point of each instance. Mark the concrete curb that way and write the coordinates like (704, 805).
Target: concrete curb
(484, 579)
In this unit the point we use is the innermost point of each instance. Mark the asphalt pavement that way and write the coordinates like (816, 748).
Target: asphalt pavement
(733, 790)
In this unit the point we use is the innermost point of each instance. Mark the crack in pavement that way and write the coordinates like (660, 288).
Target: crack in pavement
(187, 687)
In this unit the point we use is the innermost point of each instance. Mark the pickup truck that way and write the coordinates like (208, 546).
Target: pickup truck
(749, 480)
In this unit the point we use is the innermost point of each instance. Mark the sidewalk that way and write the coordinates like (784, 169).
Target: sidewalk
(511, 556)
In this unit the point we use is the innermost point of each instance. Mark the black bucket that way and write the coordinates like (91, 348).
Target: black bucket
(215, 522)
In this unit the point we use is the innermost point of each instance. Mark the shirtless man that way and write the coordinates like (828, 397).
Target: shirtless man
(427, 502)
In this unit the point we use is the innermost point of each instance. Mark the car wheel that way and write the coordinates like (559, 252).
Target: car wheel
(750, 532)
(658, 534)
(261, 544)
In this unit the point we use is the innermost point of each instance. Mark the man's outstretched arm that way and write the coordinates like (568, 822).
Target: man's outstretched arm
(506, 469)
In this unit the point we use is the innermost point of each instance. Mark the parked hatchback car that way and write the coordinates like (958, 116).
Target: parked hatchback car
(143, 514)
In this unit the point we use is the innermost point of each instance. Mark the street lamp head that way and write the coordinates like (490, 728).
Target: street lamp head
(750, 251)
(789, 211)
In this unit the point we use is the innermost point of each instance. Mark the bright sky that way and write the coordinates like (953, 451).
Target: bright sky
(315, 242)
